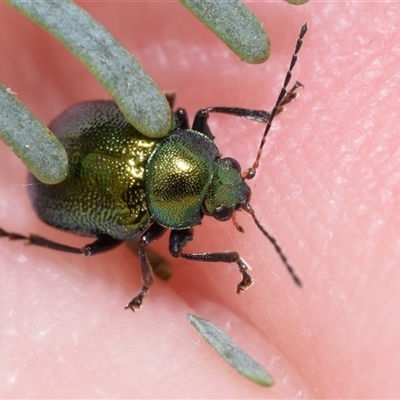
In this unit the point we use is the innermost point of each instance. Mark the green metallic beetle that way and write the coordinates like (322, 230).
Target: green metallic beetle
(122, 184)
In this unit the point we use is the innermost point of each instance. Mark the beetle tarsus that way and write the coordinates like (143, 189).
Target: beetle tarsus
(136, 303)
(247, 280)
(12, 235)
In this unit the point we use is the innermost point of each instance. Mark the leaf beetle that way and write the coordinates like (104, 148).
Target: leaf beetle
(122, 184)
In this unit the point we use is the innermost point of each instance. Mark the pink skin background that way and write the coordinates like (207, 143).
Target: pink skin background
(327, 188)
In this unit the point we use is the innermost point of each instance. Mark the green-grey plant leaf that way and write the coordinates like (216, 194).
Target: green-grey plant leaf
(296, 2)
(31, 141)
(230, 351)
(134, 91)
(235, 25)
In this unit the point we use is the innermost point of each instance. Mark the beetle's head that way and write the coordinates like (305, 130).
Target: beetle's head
(227, 191)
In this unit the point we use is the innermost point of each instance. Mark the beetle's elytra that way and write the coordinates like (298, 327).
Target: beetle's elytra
(122, 184)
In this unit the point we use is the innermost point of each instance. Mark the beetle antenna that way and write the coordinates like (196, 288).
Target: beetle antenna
(246, 207)
(251, 172)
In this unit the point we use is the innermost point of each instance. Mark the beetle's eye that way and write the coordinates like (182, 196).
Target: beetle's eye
(233, 163)
(223, 213)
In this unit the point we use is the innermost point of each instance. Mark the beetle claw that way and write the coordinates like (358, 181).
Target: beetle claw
(247, 280)
(136, 302)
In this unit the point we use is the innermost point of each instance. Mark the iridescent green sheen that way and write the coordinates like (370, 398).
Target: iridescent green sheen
(120, 181)
(227, 189)
(104, 192)
(178, 175)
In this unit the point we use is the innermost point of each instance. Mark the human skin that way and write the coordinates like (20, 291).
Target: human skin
(326, 188)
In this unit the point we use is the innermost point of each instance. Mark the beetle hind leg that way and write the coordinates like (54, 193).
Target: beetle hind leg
(101, 244)
(180, 238)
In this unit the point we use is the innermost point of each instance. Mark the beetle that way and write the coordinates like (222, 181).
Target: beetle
(122, 184)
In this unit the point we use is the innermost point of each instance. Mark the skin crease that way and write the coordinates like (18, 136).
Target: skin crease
(326, 188)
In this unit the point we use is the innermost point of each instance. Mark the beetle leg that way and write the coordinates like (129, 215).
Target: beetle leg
(180, 238)
(290, 96)
(254, 115)
(102, 244)
(153, 233)
(200, 123)
(182, 117)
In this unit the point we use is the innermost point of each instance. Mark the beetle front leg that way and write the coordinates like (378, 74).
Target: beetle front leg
(200, 123)
(182, 117)
(153, 233)
(290, 96)
(180, 238)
